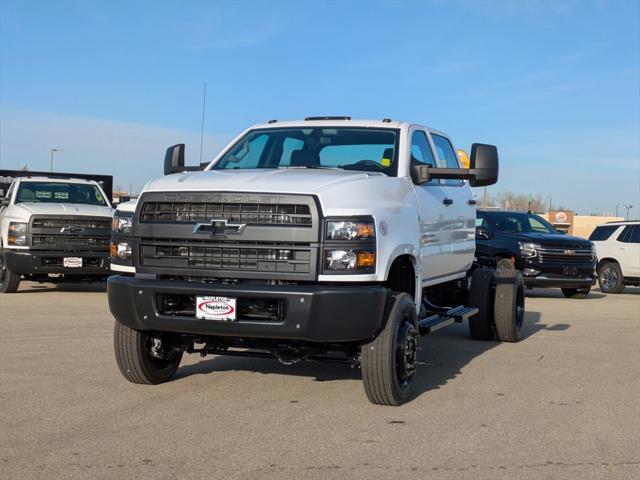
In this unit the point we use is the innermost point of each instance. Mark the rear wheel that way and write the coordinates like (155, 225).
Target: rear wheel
(9, 281)
(576, 292)
(610, 278)
(509, 306)
(389, 361)
(481, 296)
(135, 360)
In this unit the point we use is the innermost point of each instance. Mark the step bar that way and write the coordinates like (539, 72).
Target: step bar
(431, 323)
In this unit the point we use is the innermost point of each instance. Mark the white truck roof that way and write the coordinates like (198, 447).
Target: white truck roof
(55, 180)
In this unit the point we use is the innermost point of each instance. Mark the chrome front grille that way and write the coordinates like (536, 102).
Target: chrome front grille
(70, 233)
(570, 255)
(64, 222)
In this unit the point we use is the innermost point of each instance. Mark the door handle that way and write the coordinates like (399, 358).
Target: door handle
(448, 201)
(623, 248)
(472, 202)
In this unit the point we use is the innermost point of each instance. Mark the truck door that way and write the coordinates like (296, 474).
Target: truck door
(628, 246)
(461, 207)
(435, 233)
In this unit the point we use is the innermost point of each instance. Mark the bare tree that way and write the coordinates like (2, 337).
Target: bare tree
(519, 202)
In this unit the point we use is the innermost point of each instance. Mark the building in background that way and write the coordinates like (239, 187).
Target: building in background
(579, 225)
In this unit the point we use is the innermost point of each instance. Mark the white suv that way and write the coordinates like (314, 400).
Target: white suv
(618, 250)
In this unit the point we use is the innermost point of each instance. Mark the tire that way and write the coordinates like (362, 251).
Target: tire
(509, 306)
(577, 293)
(504, 265)
(481, 296)
(610, 278)
(389, 361)
(9, 281)
(133, 355)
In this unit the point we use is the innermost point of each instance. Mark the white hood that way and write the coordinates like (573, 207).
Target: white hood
(335, 188)
(289, 180)
(64, 209)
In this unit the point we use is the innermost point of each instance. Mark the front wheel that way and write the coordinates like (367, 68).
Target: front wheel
(576, 292)
(9, 281)
(135, 360)
(389, 361)
(610, 278)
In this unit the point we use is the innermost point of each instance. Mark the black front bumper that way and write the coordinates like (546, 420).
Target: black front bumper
(34, 262)
(312, 312)
(559, 282)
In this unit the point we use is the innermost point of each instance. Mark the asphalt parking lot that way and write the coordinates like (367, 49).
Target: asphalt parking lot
(563, 403)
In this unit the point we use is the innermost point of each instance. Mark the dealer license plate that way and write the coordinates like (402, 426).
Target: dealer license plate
(216, 308)
(72, 262)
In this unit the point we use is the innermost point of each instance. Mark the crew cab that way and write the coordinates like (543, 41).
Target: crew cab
(618, 248)
(328, 239)
(53, 229)
(546, 257)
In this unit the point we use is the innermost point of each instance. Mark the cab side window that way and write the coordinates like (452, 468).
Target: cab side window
(446, 155)
(421, 152)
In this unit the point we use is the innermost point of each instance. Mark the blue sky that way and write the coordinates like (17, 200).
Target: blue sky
(556, 85)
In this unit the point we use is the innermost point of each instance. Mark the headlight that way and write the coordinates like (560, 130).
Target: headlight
(349, 260)
(121, 223)
(17, 234)
(594, 255)
(350, 230)
(529, 250)
(121, 250)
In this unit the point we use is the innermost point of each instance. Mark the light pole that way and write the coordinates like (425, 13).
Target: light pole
(51, 157)
(628, 207)
(617, 205)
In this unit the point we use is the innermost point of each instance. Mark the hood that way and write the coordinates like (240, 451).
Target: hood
(548, 239)
(284, 180)
(65, 209)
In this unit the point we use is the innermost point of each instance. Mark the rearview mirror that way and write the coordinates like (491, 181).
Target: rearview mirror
(174, 159)
(484, 165)
(483, 169)
(483, 233)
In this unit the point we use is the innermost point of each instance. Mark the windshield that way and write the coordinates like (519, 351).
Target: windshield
(365, 149)
(512, 222)
(55, 192)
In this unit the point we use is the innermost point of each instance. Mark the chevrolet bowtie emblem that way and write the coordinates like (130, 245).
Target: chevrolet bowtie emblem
(220, 227)
(569, 252)
(71, 229)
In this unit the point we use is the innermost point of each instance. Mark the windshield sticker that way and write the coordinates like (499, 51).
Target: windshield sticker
(386, 162)
(99, 196)
(43, 194)
(61, 195)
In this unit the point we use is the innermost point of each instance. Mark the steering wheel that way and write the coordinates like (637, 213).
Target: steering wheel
(368, 163)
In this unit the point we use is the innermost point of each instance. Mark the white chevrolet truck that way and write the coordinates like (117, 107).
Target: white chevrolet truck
(53, 229)
(327, 239)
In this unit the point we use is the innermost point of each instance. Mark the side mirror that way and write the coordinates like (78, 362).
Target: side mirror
(5, 201)
(174, 159)
(483, 169)
(484, 165)
(483, 233)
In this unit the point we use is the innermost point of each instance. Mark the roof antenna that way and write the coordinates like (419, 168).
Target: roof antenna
(204, 97)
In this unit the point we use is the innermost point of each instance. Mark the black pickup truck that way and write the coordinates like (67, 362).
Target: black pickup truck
(546, 257)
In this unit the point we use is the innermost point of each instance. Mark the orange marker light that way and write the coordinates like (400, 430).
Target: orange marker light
(366, 230)
(365, 259)
(114, 249)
